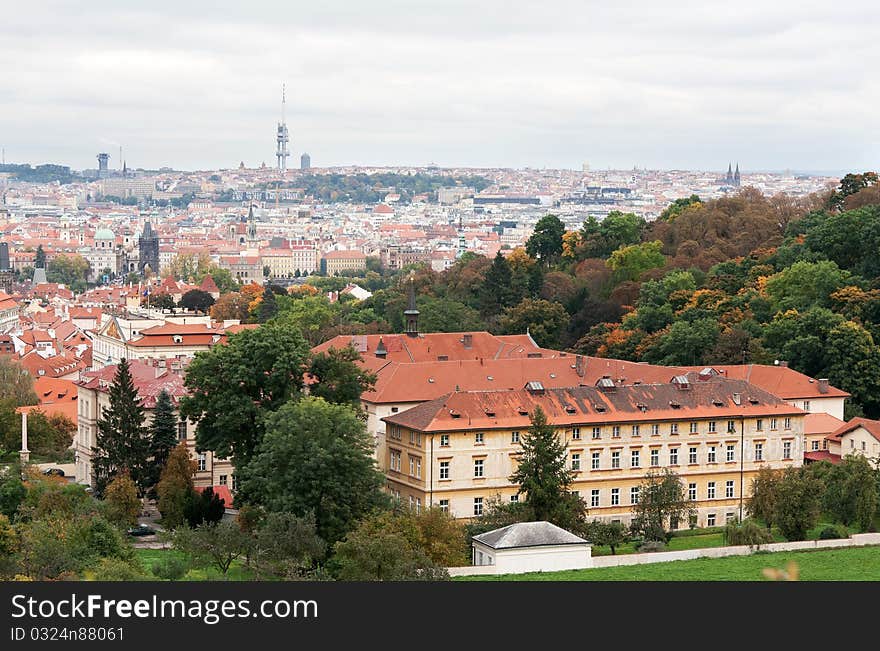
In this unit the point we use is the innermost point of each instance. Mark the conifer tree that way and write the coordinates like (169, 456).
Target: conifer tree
(268, 306)
(544, 478)
(163, 436)
(496, 293)
(121, 443)
(175, 488)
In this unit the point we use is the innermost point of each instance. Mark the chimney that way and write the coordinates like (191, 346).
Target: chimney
(783, 363)
(381, 351)
(467, 340)
(823, 385)
(579, 365)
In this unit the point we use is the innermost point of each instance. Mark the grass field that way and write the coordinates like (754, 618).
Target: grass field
(237, 572)
(850, 564)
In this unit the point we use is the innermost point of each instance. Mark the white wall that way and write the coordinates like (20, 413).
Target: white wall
(549, 558)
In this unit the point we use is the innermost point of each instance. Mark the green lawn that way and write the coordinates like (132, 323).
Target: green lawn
(850, 564)
(237, 572)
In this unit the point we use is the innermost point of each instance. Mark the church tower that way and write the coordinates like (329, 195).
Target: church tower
(148, 250)
(251, 226)
(736, 176)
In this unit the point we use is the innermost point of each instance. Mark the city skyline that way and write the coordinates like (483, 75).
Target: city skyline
(671, 87)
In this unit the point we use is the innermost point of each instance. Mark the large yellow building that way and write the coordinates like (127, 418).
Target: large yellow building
(457, 451)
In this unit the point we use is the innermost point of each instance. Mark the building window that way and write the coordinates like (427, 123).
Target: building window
(203, 461)
(710, 520)
(594, 461)
(615, 458)
(635, 430)
(731, 453)
(634, 495)
(514, 437)
(728, 488)
(444, 506)
(444, 470)
(655, 429)
(759, 424)
(615, 431)
(615, 496)
(655, 457)
(394, 460)
(223, 480)
(478, 506)
(710, 490)
(673, 456)
(575, 461)
(731, 516)
(576, 433)
(673, 428)
(692, 492)
(692, 455)
(863, 446)
(772, 423)
(514, 498)
(181, 430)
(634, 459)
(759, 451)
(597, 432)
(693, 428)
(731, 426)
(478, 467)
(412, 466)
(786, 423)
(594, 497)
(806, 405)
(711, 454)
(478, 438)
(234, 483)
(444, 440)
(712, 427)
(815, 445)
(786, 449)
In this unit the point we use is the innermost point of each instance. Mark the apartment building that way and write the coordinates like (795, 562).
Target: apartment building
(295, 260)
(336, 261)
(458, 451)
(150, 379)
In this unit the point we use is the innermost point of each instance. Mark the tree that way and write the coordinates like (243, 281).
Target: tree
(545, 321)
(216, 544)
(12, 492)
(232, 388)
(806, 284)
(196, 299)
(630, 262)
(761, 503)
(609, 534)
(230, 306)
(747, 532)
(121, 503)
(40, 258)
(543, 476)
(170, 568)
(851, 184)
(121, 443)
(662, 502)
(338, 378)
(287, 546)
(798, 503)
(851, 491)
(204, 507)
(16, 384)
(190, 267)
(444, 315)
(545, 242)
(315, 457)
(268, 307)
(175, 488)
(379, 550)
(496, 292)
(71, 270)
(163, 435)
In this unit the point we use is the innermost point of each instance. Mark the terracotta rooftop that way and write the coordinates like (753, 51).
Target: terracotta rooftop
(870, 426)
(148, 380)
(782, 381)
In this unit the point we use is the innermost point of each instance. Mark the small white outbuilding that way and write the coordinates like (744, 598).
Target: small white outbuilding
(531, 547)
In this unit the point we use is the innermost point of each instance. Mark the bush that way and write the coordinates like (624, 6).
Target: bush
(832, 533)
(748, 533)
(173, 568)
(116, 569)
(652, 546)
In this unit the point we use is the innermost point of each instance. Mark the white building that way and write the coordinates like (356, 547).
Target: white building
(531, 547)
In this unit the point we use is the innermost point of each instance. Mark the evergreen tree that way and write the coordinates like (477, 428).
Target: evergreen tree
(268, 306)
(122, 443)
(543, 476)
(40, 259)
(496, 292)
(175, 488)
(163, 436)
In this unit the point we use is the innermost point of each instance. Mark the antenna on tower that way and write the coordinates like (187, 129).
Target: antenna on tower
(282, 137)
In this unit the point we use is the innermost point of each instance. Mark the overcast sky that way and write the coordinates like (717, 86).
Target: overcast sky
(687, 85)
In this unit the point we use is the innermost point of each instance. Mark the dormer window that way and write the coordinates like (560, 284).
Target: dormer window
(178, 339)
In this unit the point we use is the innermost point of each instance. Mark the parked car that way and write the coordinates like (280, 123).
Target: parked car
(141, 530)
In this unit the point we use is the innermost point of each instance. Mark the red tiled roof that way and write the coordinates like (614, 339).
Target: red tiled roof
(781, 381)
(148, 380)
(222, 492)
(870, 426)
(821, 455)
(821, 423)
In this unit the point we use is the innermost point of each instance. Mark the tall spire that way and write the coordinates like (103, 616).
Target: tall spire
(411, 313)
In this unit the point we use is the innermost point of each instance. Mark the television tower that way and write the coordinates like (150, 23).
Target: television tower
(282, 138)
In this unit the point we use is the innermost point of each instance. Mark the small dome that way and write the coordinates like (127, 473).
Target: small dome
(104, 234)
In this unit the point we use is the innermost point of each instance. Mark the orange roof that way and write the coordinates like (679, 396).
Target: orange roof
(821, 423)
(870, 426)
(782, 381)
(55, 396)
(466, 410)
(821, 455)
